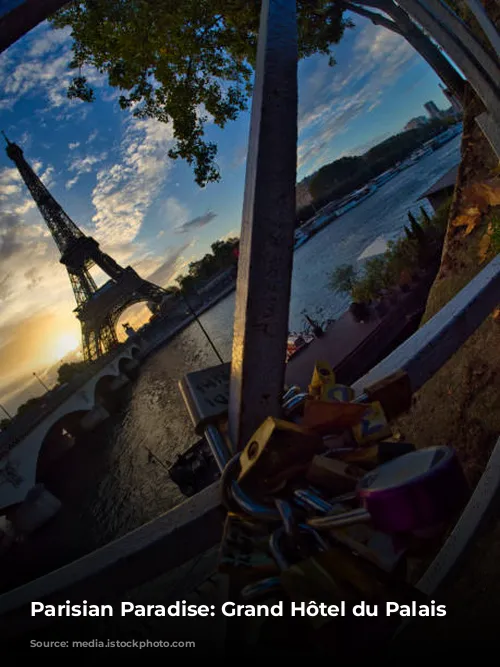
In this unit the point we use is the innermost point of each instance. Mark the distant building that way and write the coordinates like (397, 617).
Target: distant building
(456, 106)
(415, 123)
(433, 111)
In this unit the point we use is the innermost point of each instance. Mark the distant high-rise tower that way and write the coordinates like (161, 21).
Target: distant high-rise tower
(453, 100)
(98, 309)
(433, 111)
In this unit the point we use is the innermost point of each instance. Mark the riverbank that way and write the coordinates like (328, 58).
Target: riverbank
(154, 342)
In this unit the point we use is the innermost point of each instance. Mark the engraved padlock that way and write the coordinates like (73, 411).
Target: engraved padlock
(277, 450)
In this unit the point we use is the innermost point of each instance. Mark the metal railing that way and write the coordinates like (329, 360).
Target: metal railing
(196, 525)
(261, 324)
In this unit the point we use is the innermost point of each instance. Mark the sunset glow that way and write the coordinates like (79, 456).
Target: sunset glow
(63, 344)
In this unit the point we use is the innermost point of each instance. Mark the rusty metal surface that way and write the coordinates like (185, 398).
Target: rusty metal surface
(266, 247)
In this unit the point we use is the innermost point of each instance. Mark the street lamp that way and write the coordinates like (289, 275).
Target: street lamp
(41, 382)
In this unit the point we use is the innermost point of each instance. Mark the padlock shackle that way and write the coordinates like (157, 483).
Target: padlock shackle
(217, 445)
(287, 516)
(261, 589)
(359, 515)
(294, 403)
(253, 508)
(235, 499)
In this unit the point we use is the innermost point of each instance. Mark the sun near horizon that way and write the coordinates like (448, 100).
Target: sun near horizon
(64, 343)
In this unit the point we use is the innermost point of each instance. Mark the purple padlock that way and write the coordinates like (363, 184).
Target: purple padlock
(414, 492)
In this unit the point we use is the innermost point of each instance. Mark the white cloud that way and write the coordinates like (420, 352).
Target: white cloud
(175, 212)
(377, 60)
(73, 145)
(83, 165)
(38, 65)
(92, 136)
(125, 190)
(72, 181)
(49, 41)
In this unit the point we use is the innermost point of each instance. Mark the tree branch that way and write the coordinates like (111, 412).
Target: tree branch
(375, 18)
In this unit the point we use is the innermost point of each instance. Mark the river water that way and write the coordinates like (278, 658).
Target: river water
(118, 488)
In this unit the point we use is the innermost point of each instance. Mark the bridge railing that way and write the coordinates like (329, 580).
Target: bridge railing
(22, 424)
(261, 322)
(196, 525)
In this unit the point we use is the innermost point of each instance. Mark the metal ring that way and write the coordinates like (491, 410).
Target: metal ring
(254, 509)
(287, 516)
(337, 520)
(226, 481)
(236, 500)
(292, 391)
(275, 549)
(312, 501)
(294, 403)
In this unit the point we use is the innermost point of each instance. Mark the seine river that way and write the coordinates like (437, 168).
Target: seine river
(117, 488)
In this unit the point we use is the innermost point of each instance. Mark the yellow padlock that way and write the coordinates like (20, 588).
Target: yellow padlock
(323, 380)
(277, 451)
(373, 425)
(338, 392)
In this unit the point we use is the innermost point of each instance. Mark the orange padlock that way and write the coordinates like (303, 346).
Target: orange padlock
(325, 417)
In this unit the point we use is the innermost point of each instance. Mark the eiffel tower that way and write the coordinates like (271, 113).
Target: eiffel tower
(98, 309)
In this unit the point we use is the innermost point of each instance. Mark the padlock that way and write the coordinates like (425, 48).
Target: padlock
(385, 551)
(278, 448)
(393, 392)
(373, 425)
(372, 456)
(326, 417)
(415, 492)
(338, 392)
(323, 379)
(332, 475)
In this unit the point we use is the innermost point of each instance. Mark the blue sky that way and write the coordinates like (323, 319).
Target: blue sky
(113, 176)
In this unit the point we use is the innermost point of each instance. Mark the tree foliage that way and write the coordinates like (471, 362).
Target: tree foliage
(342, 176)
(343, 278)
(222, 257)
(69, 370)
(183, 61)
(416, 249)
(29, 404)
